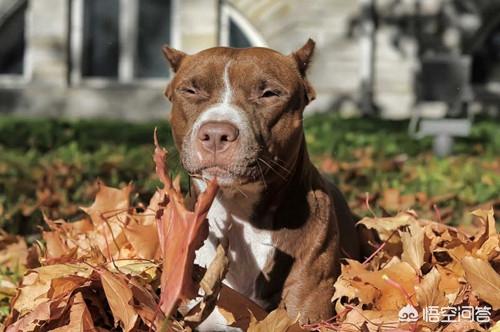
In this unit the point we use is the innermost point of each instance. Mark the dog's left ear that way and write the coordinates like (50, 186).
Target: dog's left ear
(303, 57)
(173, 56)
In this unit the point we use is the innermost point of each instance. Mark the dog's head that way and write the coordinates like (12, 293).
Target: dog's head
(237, 113)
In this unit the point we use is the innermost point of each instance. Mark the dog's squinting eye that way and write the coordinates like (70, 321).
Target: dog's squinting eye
(268, 93)
(188, 90)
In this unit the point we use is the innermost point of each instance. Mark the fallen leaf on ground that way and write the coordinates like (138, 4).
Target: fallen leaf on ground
(483, 279)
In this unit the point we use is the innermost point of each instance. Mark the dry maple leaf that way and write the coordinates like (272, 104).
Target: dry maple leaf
(483, 279)
(211, 285)
(413, 246)
(489, 241)
(277, 321)
(143, 238)
(371, 286)
(108, 203)
(80, 319)
(464, 326)
(387, 225)
(50, 309)
(428, 292)
(13, 251)
(181, 233)
(119, 298)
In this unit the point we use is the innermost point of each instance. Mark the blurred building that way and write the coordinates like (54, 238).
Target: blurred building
(102, 58)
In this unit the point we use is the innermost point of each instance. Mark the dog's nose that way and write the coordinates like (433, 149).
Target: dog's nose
(217, 136)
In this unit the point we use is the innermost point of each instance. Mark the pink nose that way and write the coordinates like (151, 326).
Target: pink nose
(217, 136)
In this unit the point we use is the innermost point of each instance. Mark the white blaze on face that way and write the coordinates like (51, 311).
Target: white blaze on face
(227, 93)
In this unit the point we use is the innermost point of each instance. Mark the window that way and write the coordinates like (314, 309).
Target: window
(235, 30)
(12, 29)
(154, 31)
(236, 37)
(119, 40)
(486, 59)
(100, 52)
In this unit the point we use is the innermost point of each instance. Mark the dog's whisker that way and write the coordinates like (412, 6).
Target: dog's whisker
(279, 165)
(261, 174)
(241, 191)
(272, 169)
(278, 159)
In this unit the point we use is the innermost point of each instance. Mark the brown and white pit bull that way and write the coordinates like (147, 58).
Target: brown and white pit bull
(237, 115)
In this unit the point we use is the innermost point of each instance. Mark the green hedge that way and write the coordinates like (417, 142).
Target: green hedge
(44, 135)
(325, 132)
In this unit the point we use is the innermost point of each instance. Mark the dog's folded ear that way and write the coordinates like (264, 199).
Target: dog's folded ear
(303, 56)
(173, 56)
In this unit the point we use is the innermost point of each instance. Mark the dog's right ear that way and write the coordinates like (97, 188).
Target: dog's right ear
(173, 56)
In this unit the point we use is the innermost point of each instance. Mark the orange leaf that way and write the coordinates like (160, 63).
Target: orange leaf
(80, 319)
(65, 285)
(181, 233)
(109, 203)
(55, 246)
(144, 239)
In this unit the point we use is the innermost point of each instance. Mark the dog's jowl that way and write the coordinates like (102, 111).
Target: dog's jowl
(237, 115)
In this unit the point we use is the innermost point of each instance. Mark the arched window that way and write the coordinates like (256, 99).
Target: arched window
(235, 29)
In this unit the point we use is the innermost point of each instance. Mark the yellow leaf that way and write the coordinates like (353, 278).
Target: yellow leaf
(483, 279)
(371, 283)
(413, 246)
(216, 271)
(119, 298)
(489, 241)
(134, 267)
(495, 328)
(489, 219)
(369, 320)
(428, 292)
(464, 326)
(386, 226)
(228, 316)
(144, 239)
(277, 321)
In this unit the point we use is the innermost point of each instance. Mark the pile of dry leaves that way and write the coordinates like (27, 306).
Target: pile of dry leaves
(423, 276)
(131, 268)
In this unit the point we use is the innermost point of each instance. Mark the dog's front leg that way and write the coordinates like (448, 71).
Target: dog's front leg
(308, 289)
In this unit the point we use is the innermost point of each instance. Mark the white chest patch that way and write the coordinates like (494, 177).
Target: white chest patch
(250, 248)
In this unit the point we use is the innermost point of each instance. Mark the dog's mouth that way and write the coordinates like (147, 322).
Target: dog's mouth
(225, 176)
(217, 172)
